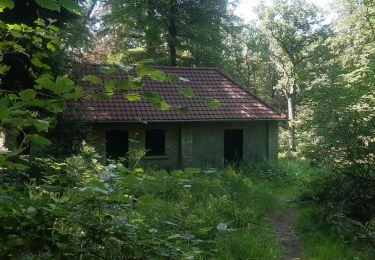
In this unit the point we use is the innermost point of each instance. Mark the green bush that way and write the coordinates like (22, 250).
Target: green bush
(77, 208)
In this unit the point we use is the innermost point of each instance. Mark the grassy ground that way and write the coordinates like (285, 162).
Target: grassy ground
(318, 242)
(242, 212)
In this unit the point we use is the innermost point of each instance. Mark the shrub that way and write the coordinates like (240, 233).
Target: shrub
(77, 208)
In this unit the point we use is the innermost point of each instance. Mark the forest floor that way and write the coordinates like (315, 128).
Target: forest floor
(284, 221)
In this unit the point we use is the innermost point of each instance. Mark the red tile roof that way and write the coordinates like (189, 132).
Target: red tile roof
(236, 103)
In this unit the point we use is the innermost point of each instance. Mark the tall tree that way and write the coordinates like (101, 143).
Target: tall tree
(293, 29)
(341, 118)
(339, 121)
(184, 32)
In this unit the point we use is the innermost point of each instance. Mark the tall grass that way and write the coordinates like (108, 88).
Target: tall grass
(319, 242)
(196, 204)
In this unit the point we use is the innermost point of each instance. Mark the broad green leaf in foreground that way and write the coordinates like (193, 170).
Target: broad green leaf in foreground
(6, 4)
(153, 73)
(35, 138)
(211, 102)
(133, 96)
(187, 92)
(92, 78)
(49, 4)
(27, 94)
(69, 5)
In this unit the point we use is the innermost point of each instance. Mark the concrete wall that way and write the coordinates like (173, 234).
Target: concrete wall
(196, 144)
(273, 140)
(137, 142)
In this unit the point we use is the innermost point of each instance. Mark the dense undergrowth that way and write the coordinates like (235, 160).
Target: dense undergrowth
(77, 208)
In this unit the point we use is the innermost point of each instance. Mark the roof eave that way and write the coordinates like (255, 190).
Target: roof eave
(179, 120)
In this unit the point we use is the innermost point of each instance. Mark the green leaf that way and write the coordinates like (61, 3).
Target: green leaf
(6, 4)
(27, 94)
(38, 139)
(109, 88)
(135, 84)
(211, 102)
(153, 73)
(133, 97)
(56, 106)
(183, 110)
(53, 28)
(70, 5)
(39, 64)
(172, 76)
(40, 22)
(63, 85)
(152, 96)
(187, 92)
(49, 4)
(122, 84)
(41, 125)
(92, 78)
(51, 47)
(102, 95)
(108, 70)
(78, 92)
(44, 81)
(130, 180)
(162, 105)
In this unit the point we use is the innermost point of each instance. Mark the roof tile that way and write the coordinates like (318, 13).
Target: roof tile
(236, 103)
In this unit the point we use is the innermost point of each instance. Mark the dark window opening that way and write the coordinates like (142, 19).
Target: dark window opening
(155, 142)
(233, 145)
(117, 144)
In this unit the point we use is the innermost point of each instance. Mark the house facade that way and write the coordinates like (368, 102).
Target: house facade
(243, 127)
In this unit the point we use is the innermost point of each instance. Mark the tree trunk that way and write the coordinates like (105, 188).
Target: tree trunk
(291, 114)
(172, 32)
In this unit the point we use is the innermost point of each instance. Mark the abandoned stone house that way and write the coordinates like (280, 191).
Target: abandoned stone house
(243, 127)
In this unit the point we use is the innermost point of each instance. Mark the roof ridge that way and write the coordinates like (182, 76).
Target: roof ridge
(156, 66)
(251, 93)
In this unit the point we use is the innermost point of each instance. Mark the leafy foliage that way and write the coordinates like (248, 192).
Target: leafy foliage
(169, 32)
(78, 208)
(340, 125)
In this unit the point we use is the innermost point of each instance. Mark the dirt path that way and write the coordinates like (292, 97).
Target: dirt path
(284, 221)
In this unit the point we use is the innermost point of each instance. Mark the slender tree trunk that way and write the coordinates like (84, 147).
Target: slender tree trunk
(291, 97)
(172, 32)
(150, 33)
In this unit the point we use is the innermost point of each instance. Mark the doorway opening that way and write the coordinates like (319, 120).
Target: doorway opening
(117, 144)
(233, 145)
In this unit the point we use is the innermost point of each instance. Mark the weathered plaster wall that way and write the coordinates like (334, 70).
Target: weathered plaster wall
(208, 142)
(197, 144)
(273, 140)
(137, 142)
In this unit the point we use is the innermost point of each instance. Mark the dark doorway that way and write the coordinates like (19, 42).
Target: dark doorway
(233, 145)
(117, 144)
